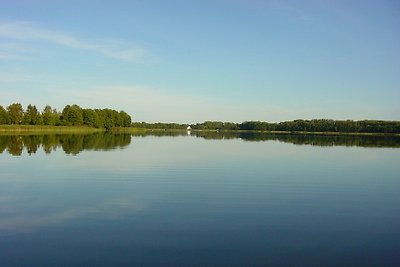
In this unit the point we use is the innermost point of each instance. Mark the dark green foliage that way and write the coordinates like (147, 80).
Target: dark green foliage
(216, 125)
(15, 113)
(32, 116)
(111, 118)
(50, 116)
(159, 125)
(125, 119)
(91, 118)
(72, 115)
(323, 125)
(4, 117)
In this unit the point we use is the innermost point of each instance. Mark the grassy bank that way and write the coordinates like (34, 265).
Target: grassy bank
(42, 129)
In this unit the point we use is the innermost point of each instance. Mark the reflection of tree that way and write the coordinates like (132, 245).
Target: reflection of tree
(15, 146)
(341, 140)
(31, 142)
(309, 139)
(4, 142)
(75, 143)
(298, 139)
(71, 144)
(160, 133)
(50, 143)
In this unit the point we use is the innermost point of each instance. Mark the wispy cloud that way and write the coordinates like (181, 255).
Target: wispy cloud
(12, 77)
(14, 51)
(26, 31)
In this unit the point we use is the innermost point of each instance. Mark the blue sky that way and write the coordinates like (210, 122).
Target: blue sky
(191, 61)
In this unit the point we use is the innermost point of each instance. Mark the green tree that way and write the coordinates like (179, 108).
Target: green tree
(125, 118)
(31, 116)
(72, 115)
(50, 116)
(108, 122)
(4, 118)
(15, 113)
(91, 118)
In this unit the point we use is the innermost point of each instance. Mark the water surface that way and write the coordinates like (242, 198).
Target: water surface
(201, 200)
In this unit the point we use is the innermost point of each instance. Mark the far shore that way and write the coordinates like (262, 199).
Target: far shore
(41, 129)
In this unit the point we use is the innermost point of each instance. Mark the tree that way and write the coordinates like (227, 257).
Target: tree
(125, 118)
(72, 115)
(15, 113)
(91, 118)
(50, 116)
(108, 121)
(4, 118)
(32, 116)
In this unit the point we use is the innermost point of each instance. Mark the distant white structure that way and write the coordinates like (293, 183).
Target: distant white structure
(189, 128)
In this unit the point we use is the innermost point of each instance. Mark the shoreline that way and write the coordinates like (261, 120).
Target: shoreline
(36, 129)
(43, 129)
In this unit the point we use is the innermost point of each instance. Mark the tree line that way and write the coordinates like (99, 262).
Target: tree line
(318, 125)
(159, 125)
(325, 125)
(71, 115)
(74, 115)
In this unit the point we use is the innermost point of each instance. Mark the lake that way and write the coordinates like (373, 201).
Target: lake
(205, 199)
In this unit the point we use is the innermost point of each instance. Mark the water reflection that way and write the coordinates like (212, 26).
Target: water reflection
(115, 207)
(69, 143)
(172, 201)
(75, 143)
(297, 139)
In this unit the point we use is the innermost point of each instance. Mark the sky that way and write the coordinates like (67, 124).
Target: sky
(192, 61)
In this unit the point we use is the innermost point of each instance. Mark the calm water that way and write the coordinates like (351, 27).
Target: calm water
(205, 200)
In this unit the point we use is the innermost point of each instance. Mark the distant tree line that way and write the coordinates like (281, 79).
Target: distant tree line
(321, 125)
(216, 125)
(74, 115)
(159, 125)
(208, 125)
(324, 125)
(71, 115)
